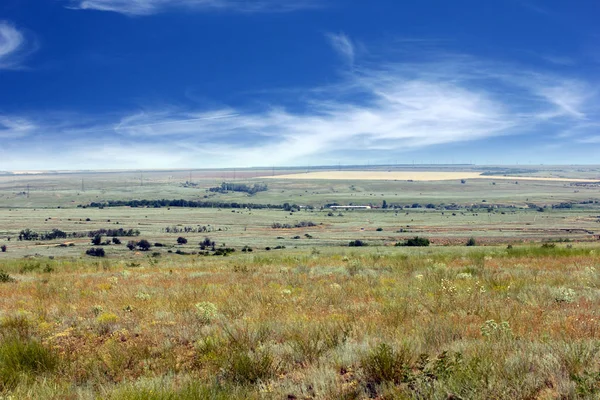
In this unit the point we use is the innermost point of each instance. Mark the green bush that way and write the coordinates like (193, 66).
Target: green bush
(23, 359)
(245, 367)
(415, 242)
(4, 277)
(384, 364)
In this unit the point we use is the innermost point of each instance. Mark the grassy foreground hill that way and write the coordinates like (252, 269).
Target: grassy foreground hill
(386, 323)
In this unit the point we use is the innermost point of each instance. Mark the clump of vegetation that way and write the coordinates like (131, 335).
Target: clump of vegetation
(5, 277)
(223, 251)
(239, 187)
(96, 252)
(143, 245)
(206, 312)
(471, 242)
(357, 243)
(181, 240)
(415, 242)
(384, 364)
(22, 360)
(3, 248)
(302, 224)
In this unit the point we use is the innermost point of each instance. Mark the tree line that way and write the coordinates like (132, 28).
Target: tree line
(239, 187)
(185, 204)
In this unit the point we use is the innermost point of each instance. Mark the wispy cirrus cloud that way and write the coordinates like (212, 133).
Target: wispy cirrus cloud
(149, 7)
(343, 45)
(377, 109)
(12, 127)
(13, 46)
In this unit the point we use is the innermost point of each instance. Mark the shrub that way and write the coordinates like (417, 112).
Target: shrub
(415, 242)
(3, 248)
(206, 311)
(384, 364)
(4, 277)
(144, 245)
(357, 243)
(116, 240)
(564, 295)
(22, 359)
(96, 252)
(379, 229)
(471, 242)
(97, 240)
(181, 240)
(245, 367)
(131, 245)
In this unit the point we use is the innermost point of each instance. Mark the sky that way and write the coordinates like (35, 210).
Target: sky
(143, 84)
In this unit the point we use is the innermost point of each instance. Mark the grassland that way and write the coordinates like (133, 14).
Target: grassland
(301, 316)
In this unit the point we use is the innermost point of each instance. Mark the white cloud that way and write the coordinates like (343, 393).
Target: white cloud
(343, 45)
(11, 45)
(12, 127)
(377, 110)
(148, 7)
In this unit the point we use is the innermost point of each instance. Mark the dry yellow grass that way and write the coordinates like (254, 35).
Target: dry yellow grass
(487, 324)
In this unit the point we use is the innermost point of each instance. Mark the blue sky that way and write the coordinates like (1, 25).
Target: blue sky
(88, 84)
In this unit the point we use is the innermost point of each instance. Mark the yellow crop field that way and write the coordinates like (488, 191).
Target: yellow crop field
(426, 176)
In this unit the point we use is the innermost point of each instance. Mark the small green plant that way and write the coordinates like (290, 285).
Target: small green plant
(206, 311)
(23, 359)
(250, 367)
(564, 295)
(5, 278)
(384, 364)
(491, 329)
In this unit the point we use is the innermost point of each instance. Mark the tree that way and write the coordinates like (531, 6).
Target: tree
(116, 240)
(384, 204)
(181, 240)
(3, 248)
(144, 245)
(97, 240)
(471, 242)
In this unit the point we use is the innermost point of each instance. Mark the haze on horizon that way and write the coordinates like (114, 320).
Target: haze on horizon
(226, 83)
